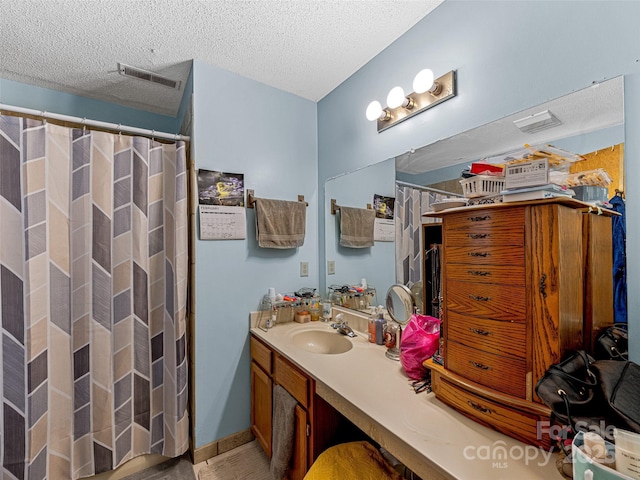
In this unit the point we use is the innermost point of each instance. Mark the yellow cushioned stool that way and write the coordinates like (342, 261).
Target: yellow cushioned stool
(351, 461)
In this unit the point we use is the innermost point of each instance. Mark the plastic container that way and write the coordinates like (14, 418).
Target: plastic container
(371, 326)
(585, 467)
(627, 453)
(481, 186)
(381, 325)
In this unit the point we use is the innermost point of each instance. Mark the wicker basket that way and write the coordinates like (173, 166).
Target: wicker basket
(482, 186)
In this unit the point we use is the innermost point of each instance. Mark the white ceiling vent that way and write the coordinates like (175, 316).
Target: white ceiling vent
(147, 76)
(537, 122)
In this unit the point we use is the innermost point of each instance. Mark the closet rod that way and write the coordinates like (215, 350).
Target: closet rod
(427, 189)
(93, 123)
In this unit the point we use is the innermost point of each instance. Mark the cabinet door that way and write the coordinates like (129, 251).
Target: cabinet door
(261, 407)
(299, 458)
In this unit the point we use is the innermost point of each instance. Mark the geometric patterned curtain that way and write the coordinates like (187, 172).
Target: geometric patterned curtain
(411, 203)
(93, 287)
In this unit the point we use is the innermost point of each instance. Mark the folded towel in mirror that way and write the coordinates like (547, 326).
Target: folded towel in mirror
(356, 227)
(280, 223)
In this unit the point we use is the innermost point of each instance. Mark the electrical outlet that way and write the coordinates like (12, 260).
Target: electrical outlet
(304, 269)
(331, 267)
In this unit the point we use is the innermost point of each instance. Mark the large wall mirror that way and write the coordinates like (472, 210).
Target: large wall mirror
(592, 124)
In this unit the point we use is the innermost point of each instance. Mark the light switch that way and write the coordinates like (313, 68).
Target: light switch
(304, 269)
(331, 267)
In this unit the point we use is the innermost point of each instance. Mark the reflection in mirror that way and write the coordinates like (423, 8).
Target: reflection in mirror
(400, 306)
(593, 122)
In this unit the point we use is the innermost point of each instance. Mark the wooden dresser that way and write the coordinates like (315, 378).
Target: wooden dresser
(513, 280)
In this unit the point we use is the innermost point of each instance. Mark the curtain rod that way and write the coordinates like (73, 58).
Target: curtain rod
(428, 189)
(94, 123)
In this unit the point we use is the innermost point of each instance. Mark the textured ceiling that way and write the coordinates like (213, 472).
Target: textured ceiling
(596, 107)
(305, 47)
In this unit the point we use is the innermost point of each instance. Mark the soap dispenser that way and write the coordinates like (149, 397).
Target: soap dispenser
(371, 325)
(380, 326)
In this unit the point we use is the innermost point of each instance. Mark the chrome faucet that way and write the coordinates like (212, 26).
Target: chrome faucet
(342, 326)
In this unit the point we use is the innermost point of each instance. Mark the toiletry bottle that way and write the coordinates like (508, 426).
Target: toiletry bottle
(380, 327)
(371, 326)
(390, 334)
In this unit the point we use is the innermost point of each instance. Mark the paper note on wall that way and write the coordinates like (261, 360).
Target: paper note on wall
(219, 222)
(384, 230)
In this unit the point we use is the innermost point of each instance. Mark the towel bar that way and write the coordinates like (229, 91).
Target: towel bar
(335, 207)
(251, 199)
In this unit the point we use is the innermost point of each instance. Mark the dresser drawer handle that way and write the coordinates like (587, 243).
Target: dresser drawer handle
(478, 235)
(478, 254)
(478, 273)
(480, 219)
(477, 331)
(479, 408)
(479, 298)
(479, 365)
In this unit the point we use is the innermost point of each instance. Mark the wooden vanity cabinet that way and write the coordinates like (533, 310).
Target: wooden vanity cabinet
(317, 424)
(513, 304)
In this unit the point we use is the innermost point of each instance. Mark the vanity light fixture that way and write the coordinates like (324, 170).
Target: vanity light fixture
(537, 122)
(427, 92)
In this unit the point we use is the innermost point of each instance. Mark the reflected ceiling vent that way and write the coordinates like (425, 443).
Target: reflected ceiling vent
(537, 122)
(140, 74)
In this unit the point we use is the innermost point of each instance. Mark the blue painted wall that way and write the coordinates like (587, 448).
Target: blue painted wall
(242, 126)
(508, 57)
(376, 264)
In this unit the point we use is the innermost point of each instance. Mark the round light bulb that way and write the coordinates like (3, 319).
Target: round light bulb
(423, 81)
(396, 97)
(374, 111)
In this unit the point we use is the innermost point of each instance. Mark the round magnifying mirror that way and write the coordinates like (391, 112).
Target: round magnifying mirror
(400, 305)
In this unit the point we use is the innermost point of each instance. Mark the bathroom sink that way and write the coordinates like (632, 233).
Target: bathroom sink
(318, 341)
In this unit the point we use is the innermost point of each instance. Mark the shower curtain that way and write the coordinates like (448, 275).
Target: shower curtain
(93, 287)
(411, 203)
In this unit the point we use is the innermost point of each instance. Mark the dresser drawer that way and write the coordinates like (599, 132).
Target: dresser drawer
(487, 219)
(504, 374)
(496, 415)
(262, 355)
(502, 274)
(499, 302)
(484, 255)
(491, 336)
(485, 236)
(292, 380)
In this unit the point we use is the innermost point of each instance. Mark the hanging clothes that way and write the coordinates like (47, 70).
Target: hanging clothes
(619, 232)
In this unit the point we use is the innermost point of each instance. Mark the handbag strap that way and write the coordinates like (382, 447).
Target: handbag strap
(556, 370)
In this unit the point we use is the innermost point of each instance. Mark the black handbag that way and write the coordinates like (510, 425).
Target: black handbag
(619, 383)
(612, 344)
(571, 390)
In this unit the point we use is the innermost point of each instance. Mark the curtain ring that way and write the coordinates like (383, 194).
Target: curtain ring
(44, 117)
(84, 124)
(119, 130)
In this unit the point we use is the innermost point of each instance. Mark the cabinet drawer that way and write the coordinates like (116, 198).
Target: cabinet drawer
(503, 274)
(484, 255)
(486, 219)
(485, 237)
(499, 302)
(504, 374)
(515, 423)
(292, 380)
(491, 336)
(261, 354)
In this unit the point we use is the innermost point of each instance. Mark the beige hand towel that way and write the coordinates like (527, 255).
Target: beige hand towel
(280, 223)
(283, 428)
(356, 227)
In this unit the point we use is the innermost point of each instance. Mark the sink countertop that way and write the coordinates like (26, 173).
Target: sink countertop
(429, 437)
